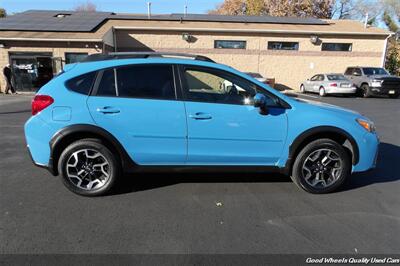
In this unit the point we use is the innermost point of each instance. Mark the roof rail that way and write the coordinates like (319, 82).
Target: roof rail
(128, 55)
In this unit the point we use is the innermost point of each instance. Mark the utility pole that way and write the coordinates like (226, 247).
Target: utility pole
(148, 10)
(185, 9)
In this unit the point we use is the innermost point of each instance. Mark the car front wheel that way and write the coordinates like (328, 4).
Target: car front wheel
(365, 91)
(88, 168)
(321, 166)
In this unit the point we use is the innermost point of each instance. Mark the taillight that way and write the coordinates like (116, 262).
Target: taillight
(40, 102)
(333, 85)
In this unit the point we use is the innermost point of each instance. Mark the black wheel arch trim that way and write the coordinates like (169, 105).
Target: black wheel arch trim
(319, 130)
(59, 136)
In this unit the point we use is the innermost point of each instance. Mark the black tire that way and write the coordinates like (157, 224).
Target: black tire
(297, 171)
(365, 91)
(394, 96)
(112, 167)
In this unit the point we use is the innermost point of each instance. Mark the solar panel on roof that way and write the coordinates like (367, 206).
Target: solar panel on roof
(45, 20)
(39, 20)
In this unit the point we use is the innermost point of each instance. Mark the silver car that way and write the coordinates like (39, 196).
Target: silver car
(328, 84)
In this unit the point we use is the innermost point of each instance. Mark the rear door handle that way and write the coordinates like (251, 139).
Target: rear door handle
(108, 110)
(200, 116)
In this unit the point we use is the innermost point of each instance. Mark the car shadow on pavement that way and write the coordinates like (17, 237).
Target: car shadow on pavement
(148, 181)
(387, 169)
(15, 112)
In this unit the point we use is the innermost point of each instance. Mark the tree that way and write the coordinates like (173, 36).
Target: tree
(255, 7)
(230, 7)
(298, 8)
(86, 7)
(393, 49)
(3, 13)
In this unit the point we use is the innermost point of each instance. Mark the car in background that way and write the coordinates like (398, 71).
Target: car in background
(324, 84)
(372, 81)
(260, 78)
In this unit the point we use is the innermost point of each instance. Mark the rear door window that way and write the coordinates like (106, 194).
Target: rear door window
(349, 71)
(146, 81)
(107, 84)
(357, 72)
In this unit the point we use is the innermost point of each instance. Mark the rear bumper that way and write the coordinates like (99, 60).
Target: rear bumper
(37, 135)
(336, 90)
(45, 166)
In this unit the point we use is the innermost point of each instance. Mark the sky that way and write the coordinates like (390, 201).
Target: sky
(118, 6)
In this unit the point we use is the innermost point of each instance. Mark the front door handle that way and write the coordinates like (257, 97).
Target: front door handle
(108, 110)
(200, 116)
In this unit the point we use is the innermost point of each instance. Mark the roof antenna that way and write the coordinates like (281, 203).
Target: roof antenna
(185, 9)
(366, 20)
(148, 10)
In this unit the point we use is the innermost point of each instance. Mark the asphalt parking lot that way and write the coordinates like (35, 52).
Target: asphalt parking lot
(200, 213)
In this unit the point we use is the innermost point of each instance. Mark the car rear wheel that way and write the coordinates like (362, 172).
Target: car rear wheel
(88, 168)
(322, 91)
(321, 166)
(365, 91)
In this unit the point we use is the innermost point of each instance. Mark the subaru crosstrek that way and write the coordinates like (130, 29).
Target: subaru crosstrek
(117, 114)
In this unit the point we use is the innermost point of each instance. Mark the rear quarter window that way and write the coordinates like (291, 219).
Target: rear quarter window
(81, 84)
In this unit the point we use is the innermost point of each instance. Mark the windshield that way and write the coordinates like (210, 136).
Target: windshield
(374, 71)
(336, 77)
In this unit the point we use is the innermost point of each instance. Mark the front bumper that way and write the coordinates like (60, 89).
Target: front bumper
(385, 91)
(368, 152)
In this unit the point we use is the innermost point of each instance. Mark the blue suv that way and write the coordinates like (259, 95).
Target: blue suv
(127, 112)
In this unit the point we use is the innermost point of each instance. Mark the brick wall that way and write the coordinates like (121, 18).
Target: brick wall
(57, 49)
(289, 68)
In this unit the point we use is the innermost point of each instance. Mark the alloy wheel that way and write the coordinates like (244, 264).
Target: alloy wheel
(88, 169)
(322, 168)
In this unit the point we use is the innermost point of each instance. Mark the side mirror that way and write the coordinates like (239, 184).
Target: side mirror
(356, 74)
(260, 101)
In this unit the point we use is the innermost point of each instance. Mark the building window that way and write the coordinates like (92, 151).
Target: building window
(230, 44)
(283, 46)
(74, 57)
(341, 47)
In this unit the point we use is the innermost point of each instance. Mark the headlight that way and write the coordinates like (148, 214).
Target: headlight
(376, 83)
(367, 125)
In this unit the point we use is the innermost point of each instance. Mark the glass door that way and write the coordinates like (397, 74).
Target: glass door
(30, 71)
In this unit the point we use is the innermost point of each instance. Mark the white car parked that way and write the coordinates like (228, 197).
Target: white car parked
(324, 84)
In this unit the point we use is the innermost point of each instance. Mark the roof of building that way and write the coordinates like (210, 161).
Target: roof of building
(56, 20)
(223, 18)
(57, 25)
(73, 21)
